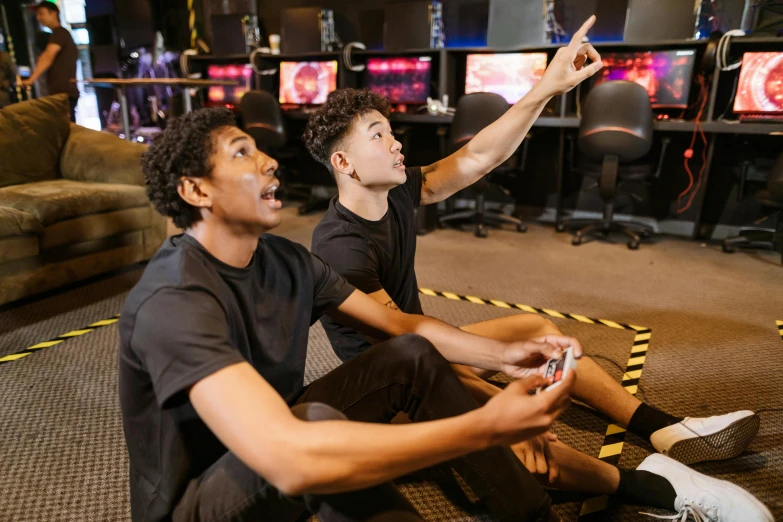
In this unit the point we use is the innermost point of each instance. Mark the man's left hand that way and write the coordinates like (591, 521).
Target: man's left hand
(568, 68)
(524, 358)
(25, 84)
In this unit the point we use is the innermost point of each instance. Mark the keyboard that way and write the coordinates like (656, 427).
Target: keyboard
(761, 118)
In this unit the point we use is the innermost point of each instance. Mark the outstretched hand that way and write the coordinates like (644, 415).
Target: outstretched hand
(568, 68)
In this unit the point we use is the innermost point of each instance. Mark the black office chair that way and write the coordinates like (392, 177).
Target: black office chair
(263, 120)
(770, 199)
(616, 130)
(474, 112)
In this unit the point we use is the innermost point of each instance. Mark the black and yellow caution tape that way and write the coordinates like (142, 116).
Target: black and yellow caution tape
(192, 23)
(614, 438)
(59, 339)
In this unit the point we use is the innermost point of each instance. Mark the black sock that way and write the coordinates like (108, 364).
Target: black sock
(646, 489)
(646, 420)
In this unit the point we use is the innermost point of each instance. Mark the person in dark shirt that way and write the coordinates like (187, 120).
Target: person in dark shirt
(368, 236)
(58, 59)
(213, 343)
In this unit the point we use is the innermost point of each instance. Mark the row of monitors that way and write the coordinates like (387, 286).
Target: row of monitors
(666, 75)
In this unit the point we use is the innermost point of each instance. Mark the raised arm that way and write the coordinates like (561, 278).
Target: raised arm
(498, 141)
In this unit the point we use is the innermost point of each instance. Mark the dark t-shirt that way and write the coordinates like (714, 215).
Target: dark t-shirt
(372, 255)
(63, 69)
(191, 315)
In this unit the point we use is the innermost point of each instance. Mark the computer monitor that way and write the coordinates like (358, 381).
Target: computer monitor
(307, 83)
(665, 75)
(225, 95)
(510, 75)
(400, 80)
(760, 87)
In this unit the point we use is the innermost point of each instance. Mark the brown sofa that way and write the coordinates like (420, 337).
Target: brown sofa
(72, 201)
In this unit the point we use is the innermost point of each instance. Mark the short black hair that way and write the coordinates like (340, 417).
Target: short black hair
(183, 149)
(49, 6)
(330, 124)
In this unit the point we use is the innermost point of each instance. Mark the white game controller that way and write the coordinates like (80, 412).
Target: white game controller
(558, 369)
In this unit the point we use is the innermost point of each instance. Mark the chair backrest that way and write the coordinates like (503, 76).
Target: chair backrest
(474, 112)
(617, 120)
(263, 120)
(775, 180)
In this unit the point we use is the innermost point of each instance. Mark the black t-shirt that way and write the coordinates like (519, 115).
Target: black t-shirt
(63, 69)
(191, 315)
(372, 255)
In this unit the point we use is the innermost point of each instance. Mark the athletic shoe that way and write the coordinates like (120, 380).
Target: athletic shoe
(705, 498)
(711, 438)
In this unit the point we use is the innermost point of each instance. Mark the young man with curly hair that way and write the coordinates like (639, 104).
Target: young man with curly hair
(368, 236)
(213, 341)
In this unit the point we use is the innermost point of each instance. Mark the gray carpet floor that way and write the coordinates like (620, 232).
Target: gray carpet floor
(715, 348)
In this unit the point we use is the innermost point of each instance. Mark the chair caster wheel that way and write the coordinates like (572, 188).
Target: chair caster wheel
(728, 249)
(521, 228)
(576, 240)
(481, 232)
(633, 244)
(560, 227)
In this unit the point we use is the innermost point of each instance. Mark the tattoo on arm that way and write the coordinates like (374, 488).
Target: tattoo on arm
(391, 305)
(425, 171)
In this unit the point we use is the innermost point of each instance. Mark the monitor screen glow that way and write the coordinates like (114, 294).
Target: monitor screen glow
(226, 95)
(510, 75)
(400, 80)
(307, 83)
(665, 75)
(760, 87)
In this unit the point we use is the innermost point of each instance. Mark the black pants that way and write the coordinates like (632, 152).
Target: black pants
(404, 374)
(72, 102)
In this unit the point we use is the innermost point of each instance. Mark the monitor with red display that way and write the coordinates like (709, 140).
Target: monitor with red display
(665, 75)
(510, 75)
(224, 95)
(400, 80)
(760, 87)
(307, 83)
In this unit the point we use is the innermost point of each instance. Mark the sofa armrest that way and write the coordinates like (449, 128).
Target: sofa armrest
(96, 156)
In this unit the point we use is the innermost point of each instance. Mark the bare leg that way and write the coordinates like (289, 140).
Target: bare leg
(578, 472)
(594, 386)
(581, 472)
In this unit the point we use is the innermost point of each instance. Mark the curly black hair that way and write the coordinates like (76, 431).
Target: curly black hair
(183, 149)
(333, 120)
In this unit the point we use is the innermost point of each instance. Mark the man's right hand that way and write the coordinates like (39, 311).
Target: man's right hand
(514, 415)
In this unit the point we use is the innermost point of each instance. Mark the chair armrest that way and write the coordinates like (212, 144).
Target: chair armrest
(744, 167)
(664, 145)
(90, 155)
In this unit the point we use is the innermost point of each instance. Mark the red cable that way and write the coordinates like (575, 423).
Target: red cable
(697, 129)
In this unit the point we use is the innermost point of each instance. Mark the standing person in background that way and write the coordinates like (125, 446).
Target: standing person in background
(58, 60)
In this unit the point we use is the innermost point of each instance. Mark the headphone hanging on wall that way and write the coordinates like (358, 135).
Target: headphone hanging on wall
(347, 56)
(437, 107)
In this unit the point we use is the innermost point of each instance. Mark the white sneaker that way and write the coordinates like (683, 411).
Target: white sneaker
(705, 498)
(711, 438)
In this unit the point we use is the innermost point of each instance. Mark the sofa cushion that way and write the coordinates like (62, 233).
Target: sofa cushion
(91, 155)
(18, 247)
(15, 222)
(61, 199)
(33, 135)
(94, 226)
